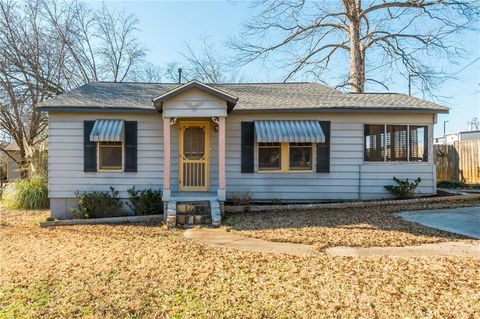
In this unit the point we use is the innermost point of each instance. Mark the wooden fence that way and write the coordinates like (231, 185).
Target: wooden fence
(458, 162)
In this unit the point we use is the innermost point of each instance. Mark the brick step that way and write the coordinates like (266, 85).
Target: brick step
(193, 213)
(194, 220)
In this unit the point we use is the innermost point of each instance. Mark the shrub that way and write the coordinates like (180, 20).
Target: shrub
(405, 188)
(145, 202)
(30, 193)
(242, 199)
(98, 204)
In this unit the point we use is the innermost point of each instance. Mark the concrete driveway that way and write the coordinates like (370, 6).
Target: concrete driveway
(463, 221)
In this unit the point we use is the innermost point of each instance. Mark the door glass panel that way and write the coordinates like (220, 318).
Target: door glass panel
(194, 143)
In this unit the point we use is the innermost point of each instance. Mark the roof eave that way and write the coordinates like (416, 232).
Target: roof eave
(343, 110)
(79, 109)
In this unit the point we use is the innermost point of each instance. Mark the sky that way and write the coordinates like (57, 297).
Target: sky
(166, 25)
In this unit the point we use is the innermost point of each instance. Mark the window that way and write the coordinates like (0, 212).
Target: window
(110, 156)
(374, 143)
(285, 157)
(395, 143)
(269, 156)
(418, 144)
(300, 156)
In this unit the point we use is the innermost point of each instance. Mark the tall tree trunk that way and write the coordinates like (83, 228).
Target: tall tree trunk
(357, 59)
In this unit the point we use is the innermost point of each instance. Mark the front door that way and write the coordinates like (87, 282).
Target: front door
(194, 156)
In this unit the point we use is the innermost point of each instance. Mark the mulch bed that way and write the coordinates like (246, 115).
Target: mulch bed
(351, 226)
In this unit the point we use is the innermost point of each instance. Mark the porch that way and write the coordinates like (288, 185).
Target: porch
(194, 117)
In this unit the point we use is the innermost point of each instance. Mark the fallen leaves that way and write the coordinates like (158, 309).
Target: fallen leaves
(352, 227)
(144, 271)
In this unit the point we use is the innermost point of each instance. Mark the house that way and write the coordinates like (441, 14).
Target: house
(294, 142)
(458, 137)
(9, 169)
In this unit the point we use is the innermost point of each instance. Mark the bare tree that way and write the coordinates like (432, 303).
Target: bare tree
(48, 48)
(203, 64)
(313, 36)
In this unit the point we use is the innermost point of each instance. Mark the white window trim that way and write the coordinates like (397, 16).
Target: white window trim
(111, 170)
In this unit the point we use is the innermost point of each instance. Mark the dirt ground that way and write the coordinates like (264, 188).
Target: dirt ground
(146, 271)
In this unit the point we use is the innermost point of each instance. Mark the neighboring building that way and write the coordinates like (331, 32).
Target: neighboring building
(458, 137)
(293, 142)
(469, 135)
(9, 169)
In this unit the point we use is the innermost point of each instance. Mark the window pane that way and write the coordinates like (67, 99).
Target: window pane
(418, 144)
(300, 156)
(269, 156)
(194, 143)
(374, 143)
(110, 156)
(396, 143)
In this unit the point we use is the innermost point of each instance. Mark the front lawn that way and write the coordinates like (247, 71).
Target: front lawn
(354, 227)
(145, 271)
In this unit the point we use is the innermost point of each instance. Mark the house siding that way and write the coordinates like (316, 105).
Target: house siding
(349, 176)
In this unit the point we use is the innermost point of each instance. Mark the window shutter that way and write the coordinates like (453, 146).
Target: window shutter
(89, 148)
(248, 141)
(323, 149)
(130, 146)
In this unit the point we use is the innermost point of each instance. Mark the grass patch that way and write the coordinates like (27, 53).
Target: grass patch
(30, 193)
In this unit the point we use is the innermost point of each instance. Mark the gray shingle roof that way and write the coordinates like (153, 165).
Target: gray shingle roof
(251, 96)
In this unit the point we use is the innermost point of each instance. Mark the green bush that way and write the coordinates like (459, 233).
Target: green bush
(98, 204)
(145, 202)
(30, 193)
(405, 188)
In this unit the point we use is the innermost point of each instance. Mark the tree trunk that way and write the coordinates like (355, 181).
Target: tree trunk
(357, 59)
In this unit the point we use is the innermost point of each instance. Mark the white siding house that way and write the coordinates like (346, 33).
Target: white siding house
(213, 158)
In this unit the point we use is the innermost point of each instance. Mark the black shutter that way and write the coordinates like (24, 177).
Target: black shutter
(89, 148)
(130, 146)
(323, 149)
(248, 141)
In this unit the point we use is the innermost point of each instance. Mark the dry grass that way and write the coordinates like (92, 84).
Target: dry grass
(148, 272)
(354, 227)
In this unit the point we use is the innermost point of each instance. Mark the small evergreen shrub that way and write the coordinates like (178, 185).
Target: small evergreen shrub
(29, 193)
(98, 204)
(145, 202)
(405, 188)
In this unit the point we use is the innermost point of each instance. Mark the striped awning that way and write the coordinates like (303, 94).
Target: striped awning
(107, 131)
(289, 131)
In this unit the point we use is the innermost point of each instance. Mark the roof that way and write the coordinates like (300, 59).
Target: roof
(299, 96)
(13, 146)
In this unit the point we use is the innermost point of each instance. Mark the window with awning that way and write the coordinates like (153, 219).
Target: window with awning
(286, 146)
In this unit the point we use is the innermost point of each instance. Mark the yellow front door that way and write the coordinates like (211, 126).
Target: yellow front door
(194, 156)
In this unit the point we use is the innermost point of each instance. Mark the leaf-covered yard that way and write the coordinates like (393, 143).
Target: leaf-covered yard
(146, 271)
(352, 227)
